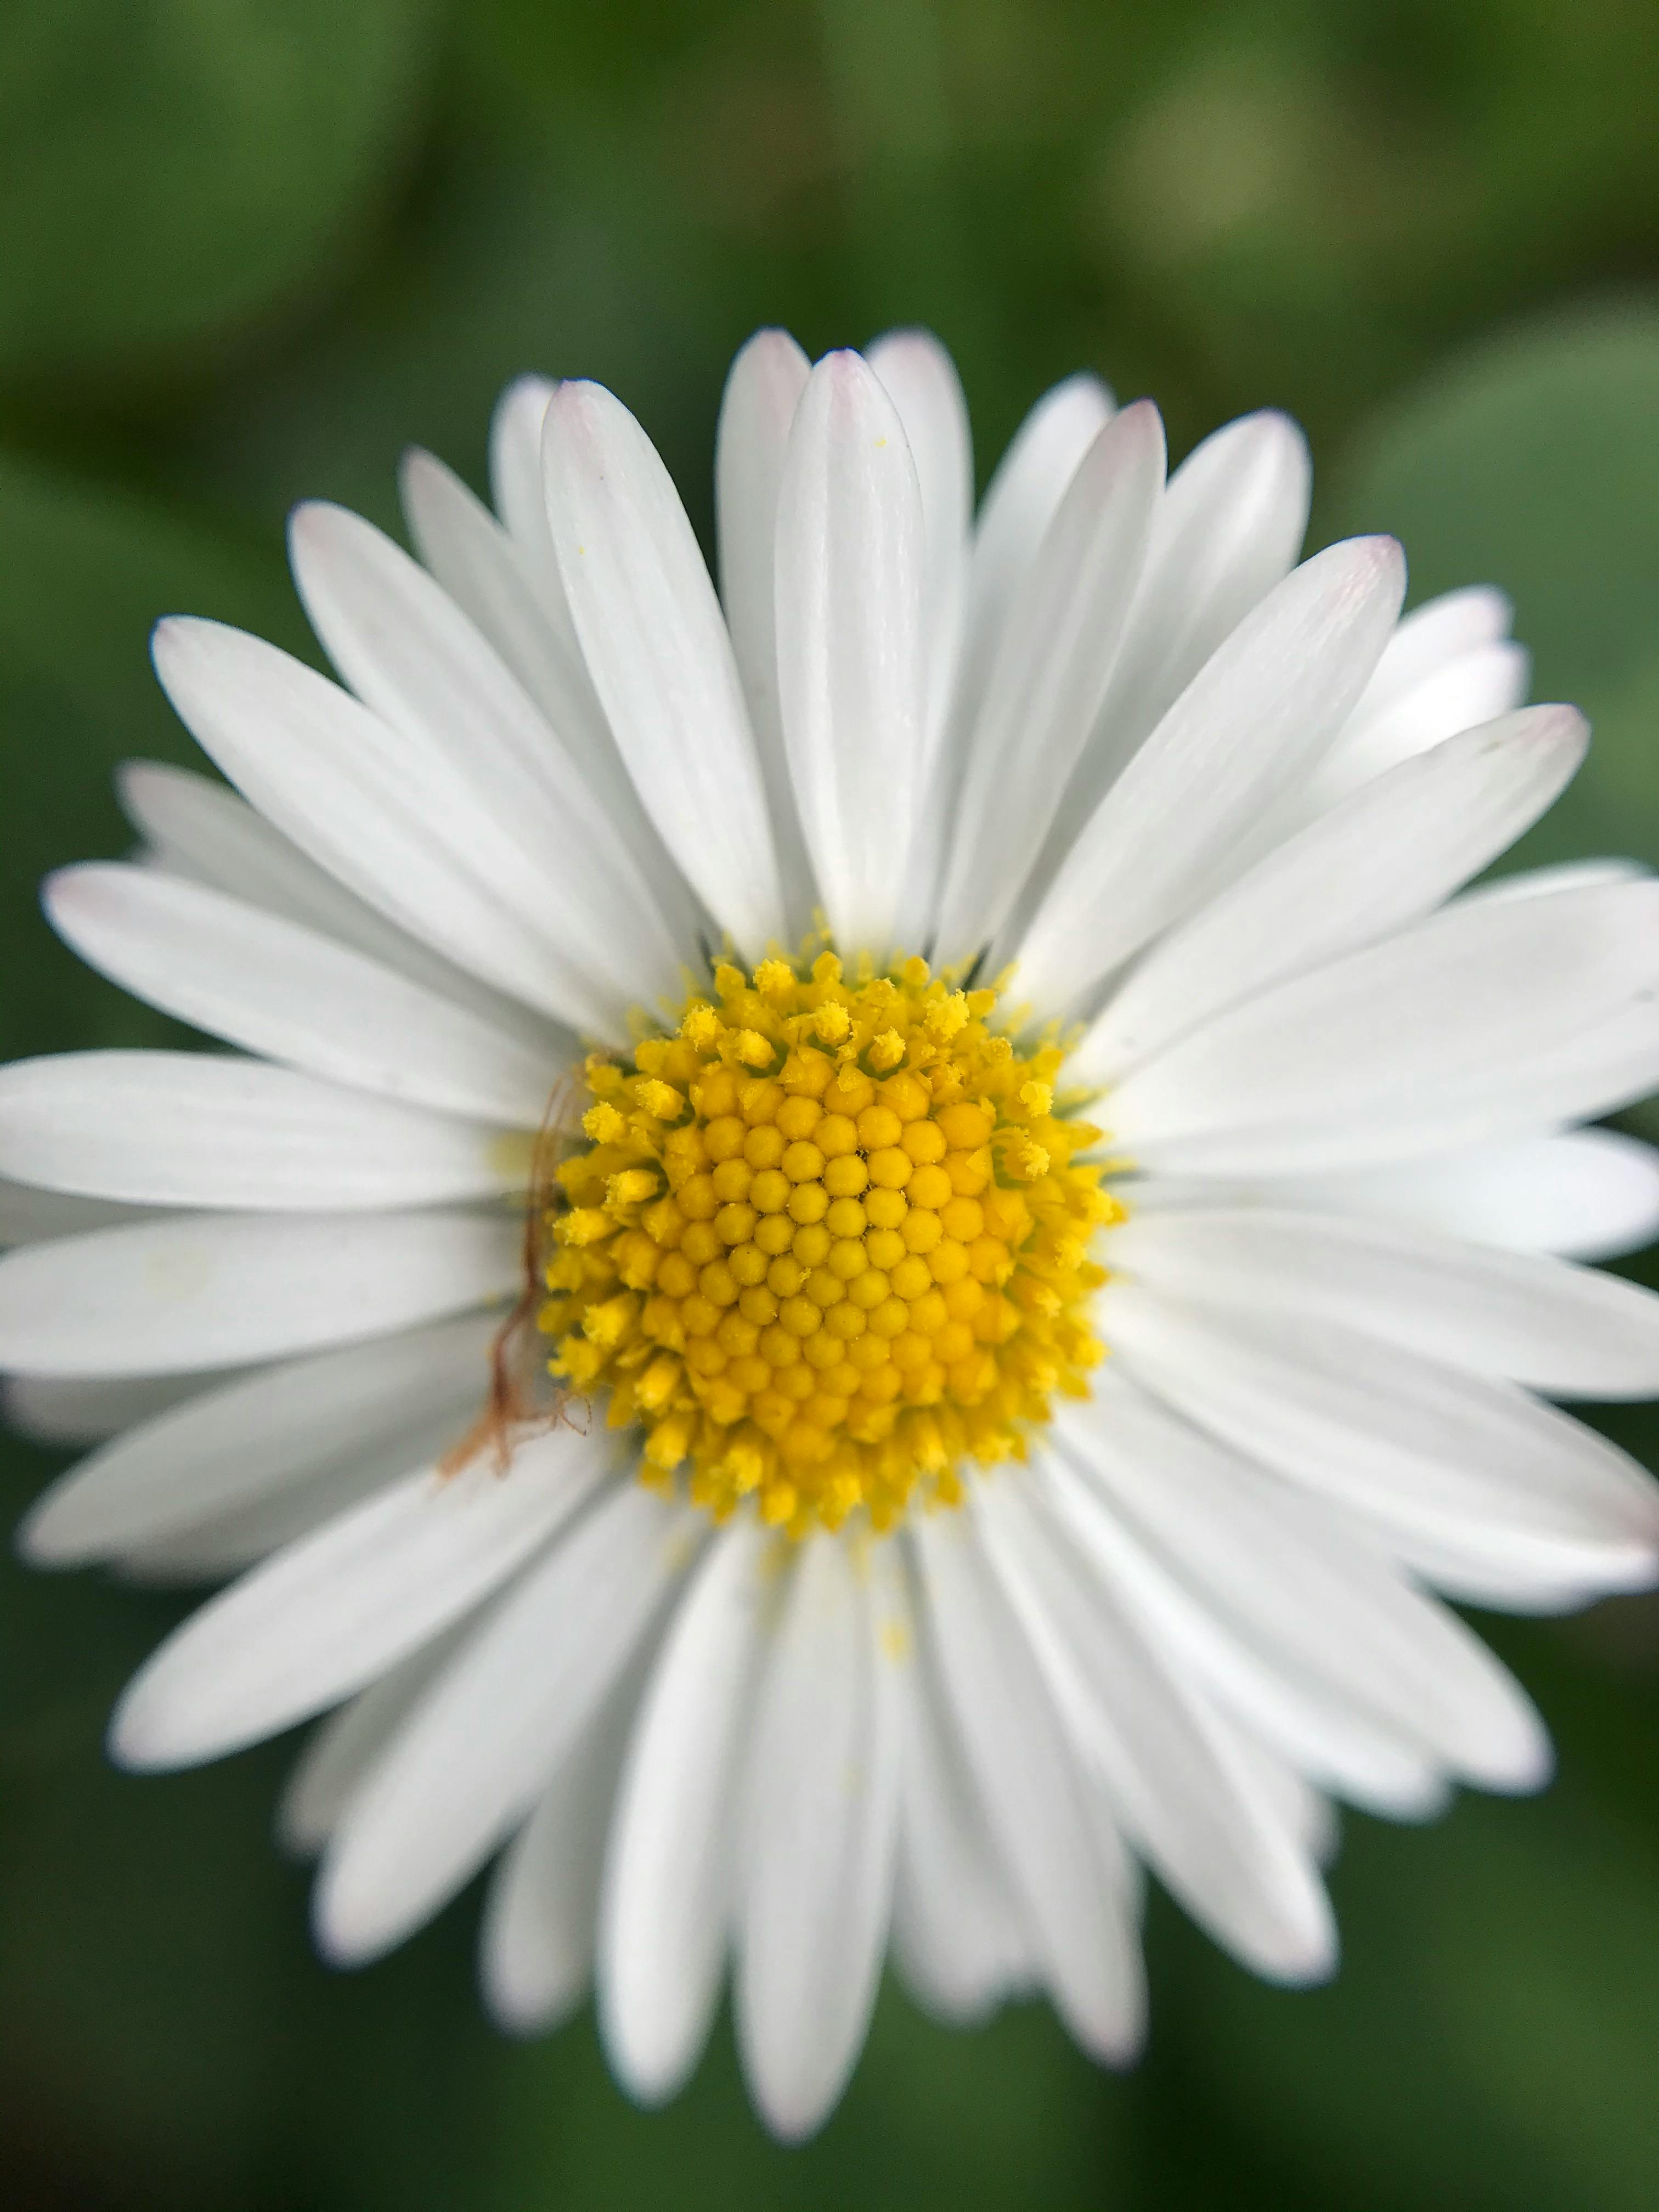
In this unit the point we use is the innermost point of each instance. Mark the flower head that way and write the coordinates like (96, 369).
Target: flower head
(872, 1248)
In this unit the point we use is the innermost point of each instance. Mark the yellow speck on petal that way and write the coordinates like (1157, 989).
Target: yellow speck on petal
(896, 1641)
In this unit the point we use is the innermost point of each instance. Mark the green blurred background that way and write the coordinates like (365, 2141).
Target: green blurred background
(250, 248)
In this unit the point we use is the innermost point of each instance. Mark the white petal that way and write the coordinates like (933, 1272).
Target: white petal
(413, 658)
(1476, 1469)
(1034, 1798)
(821, 1815)
(1385, 857)
(1305, 1810)
(200, 830)
(84, 1410)
(1302, 1584)
(1431, 637)
(29, 1215)
(1589, 1195)
(517, 488)
(1476, 1021)
(1306, 1732)
(1565, 1330)
(229, 1446)
(1243, 729)
(851, 647)
(1565, 876)
(477, 563)
(478, 1751)
(276, 988)
(536, 1945)
(761, 393)
(920, 380)
(1228, 529)
(404, 828)
(502, 593)
(342, 1750)
(1214, 1835)
(956, 1939)
(203, 1129)
(521, 496)
(1478, 688)
(323, 1617)
(665, 1914)
(218, 1545)
(1029, 484)
(215, 1290)
(659, 657)
(1058, 643)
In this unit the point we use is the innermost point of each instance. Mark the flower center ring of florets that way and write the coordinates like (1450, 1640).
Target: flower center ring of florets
(826, 1242)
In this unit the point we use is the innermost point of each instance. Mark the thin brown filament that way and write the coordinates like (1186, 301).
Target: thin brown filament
(508, 1407)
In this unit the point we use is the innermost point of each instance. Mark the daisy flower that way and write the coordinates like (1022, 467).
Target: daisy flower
(872, 1250)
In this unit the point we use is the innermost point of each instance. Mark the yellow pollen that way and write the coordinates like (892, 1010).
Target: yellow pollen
(827, 1244)
(604, 1124)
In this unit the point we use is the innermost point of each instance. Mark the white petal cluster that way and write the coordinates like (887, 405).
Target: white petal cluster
(1221, 812)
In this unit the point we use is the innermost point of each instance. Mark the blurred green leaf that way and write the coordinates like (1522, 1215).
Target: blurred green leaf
(173, 171)
(561, 253)
(1493, 2037)
(1534, 464)
(932, 2120)
(87, 573)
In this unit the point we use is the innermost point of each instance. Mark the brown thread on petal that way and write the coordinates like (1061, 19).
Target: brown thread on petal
(513, 1366)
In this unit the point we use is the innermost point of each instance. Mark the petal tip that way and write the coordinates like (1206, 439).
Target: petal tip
(769, 344)
(138, 1738)
(519, 2013)
(1274, 427)
(651, 2077)
(296, 1831)
(530, 387)
(135, 778)
(913, 338)
(343, 1930)
(39, 1539)
(171, 639)
(419, 471)
(318, 528)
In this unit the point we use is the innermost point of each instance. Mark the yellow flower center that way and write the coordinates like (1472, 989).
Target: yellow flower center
(827, 1243)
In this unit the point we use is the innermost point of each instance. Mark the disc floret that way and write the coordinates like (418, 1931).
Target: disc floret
(827, 1243)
